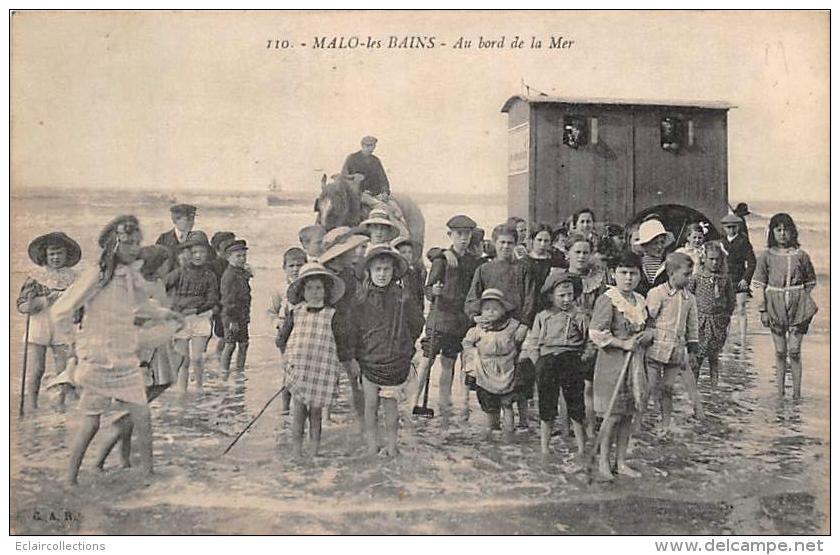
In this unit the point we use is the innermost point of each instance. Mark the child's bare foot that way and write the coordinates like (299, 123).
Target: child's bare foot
(71, 483)
(392, 452)
(372, 451)
(624, 470)
(487, 435)
(508, 436)
(604, 474)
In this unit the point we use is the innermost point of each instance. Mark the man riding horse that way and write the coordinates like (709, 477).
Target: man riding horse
(374, 188)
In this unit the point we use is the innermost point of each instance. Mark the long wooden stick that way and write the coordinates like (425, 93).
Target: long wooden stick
(610, 407)
(23, 370)
(251, 423)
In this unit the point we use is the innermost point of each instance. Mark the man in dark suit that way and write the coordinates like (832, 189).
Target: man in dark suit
(183, 218)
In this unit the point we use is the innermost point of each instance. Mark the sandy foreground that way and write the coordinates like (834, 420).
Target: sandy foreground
(754, 466)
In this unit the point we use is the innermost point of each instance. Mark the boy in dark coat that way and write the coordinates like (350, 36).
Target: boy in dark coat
(740, 261)
(386, 325)
(236, 305)
(447, 286)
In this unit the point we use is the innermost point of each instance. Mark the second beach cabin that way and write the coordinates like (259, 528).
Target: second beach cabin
(618, 157)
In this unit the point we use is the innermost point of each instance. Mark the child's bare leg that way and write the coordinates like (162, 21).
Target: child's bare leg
(608, 430)
(182, 347)
(780, 345)
(714, 368)
(141, 419)
(507, 421)
(741, 310)
(795, 354)
(299, 414)
(622, 440)
(241, 354)
(589, 404)
(422, 371)
(545, 435)
(357, 397)
(315, 429)
(227, 353)
(371, 394)
(492, 419)
(60, 355)
(391, 425)
(666, 394)
(36, 373)
(198, 346)
(118, 432)
(580, 436)
(522, 409)
(447, 376)
(285, 401)
(87, 430)
(690, 384)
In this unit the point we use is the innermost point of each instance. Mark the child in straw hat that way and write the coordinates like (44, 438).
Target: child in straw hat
(55, 254)
(490, 352)
(385, 327)
(314, 349)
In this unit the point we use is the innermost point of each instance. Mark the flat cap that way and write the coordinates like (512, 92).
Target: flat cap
(236, 245)
(461, 222)
(182, 210)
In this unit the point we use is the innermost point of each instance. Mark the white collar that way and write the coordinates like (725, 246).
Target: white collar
(636, 314)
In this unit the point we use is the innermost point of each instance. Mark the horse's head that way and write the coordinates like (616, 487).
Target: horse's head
(338, 204)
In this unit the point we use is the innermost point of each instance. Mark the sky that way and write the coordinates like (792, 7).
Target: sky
(195, 101)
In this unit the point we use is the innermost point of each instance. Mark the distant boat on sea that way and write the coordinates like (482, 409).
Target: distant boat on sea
(275, 195)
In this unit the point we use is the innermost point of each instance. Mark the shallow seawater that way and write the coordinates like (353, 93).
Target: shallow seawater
(755, 465)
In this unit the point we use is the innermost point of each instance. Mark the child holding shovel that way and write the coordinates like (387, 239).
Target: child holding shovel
(617, 328)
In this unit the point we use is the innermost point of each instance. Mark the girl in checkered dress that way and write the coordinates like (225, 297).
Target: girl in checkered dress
(310, 338)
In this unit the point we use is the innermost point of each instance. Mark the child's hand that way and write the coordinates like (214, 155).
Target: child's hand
(646, 338)
(469, 381)
(765, 319)
(437, 289)
(233, 327)
(743, 285)
(190, 312)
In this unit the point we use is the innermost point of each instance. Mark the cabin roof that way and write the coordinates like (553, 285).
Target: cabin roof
(545, 99)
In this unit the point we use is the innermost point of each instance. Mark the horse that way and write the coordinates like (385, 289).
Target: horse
(339, 204)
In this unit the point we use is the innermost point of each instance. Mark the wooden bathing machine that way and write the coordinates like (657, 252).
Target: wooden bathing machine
(617, 157)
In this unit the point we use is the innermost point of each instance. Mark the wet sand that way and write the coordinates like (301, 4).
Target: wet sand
(755, 465)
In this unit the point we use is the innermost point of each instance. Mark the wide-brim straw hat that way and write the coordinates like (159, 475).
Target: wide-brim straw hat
(402, 240)
(730, 219)
(379, 217)
(383, 249)
(295, 291)
(342, 246)
(650, 230)
(496, 295)
(38, 248)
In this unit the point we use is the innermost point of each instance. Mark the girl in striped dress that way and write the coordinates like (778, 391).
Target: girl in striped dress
(310, 339)
(784, 279)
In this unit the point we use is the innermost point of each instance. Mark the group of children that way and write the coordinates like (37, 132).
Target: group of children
(567, 314)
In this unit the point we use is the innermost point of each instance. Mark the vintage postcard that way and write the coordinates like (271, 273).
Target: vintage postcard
(419, 273)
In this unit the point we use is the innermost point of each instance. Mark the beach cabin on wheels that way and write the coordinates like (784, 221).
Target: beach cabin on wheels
(618, 157)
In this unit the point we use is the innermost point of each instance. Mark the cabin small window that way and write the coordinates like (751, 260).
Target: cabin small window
(672, 133)
(575, 131)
